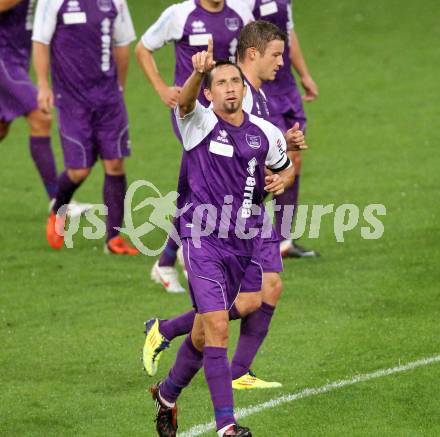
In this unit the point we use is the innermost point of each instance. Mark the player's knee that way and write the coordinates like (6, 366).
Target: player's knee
(4, 129)
(40, 123)
(217, 333)
(114, 167)
(272, 290)
(250, 304)
(78, 175)
(198, 340)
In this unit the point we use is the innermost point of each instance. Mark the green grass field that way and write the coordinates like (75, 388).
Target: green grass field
(71, 322)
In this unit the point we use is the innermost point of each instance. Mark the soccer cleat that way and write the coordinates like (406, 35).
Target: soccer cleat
(55, 231)
(238, 431)
(74, 209)
(289, 249)
(118, 246)
(249, 381)
(166, 417)
(155, 344)
(168, 277)
(77, 209)
(181, 261)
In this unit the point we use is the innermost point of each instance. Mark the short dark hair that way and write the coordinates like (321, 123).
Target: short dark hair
(220, 63)
(258, 34)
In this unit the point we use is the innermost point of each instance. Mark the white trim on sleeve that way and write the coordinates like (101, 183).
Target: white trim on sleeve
(123, 30)
(45, 21)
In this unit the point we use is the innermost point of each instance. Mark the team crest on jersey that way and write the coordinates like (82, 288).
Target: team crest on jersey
(105, 5)
(223, 136)
(198, 26)
(253, 141)
(233, 24)
(73, 6)
(252, 164)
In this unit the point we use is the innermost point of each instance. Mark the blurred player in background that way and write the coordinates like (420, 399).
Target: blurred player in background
(86, 44)
(285, 103)
(219, 267)
(18, 95)
(189, 25)
(260, 54)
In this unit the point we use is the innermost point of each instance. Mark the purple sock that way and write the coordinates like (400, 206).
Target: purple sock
(183, 324)
(114, 193)
(188, 362)
(169, 254)
(178, 326)
(218, 377)
(253, 331)
(41, 151)
(66, 188)
(288, 199)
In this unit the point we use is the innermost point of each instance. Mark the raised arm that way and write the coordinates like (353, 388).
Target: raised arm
(300, 66)
(203, 62)
(5, 5)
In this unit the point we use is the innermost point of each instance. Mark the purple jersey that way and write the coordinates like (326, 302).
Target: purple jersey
(190, 27)
(81, 34)
(16, 32)
(255, 102)
(278, 12)
(226, 164)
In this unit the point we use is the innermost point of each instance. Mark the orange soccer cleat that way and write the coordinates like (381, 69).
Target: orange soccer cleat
(118, 246)
(55, 231)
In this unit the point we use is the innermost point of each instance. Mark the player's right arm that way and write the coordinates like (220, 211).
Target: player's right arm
(166, 29)
(5, 5)
(44, 28)
(203, 62)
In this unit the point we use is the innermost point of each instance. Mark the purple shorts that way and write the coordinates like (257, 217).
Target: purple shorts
(286, 110)
(215, 276)
(87, 133)
(270, 256)
(18, 95)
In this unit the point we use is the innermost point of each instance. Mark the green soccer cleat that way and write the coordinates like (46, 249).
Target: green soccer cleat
(249, 381)
(155, 344)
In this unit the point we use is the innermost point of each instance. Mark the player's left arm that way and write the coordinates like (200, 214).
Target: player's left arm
(121, 55)
(5, 5)
(277, 161)
(123, 35)
(300, 65)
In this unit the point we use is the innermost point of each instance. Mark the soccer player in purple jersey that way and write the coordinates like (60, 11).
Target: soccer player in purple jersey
(286, 106)
(86, 44)
(18, 95)
(260, 51)
(188, 25)
(228, 152)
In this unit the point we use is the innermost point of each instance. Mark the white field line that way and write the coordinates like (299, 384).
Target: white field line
(244, 412)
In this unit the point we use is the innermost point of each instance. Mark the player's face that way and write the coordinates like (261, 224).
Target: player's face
(227, 89)
(271, 61)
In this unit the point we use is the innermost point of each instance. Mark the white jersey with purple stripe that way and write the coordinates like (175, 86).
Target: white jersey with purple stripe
(189, 27)
(82, 34)
(16, 32)
(226, 165)
(278, 12)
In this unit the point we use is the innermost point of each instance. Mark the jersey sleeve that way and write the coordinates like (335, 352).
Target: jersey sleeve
(166, 29)
(244, 8)
(123, 33)
(290, 23)
(45, 21)
(195, 126)
(277, 159)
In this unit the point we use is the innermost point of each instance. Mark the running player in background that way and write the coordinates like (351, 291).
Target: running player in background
(286, 106)
(18, 95)
(89, 98)
(217, 266)
(189, 25)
